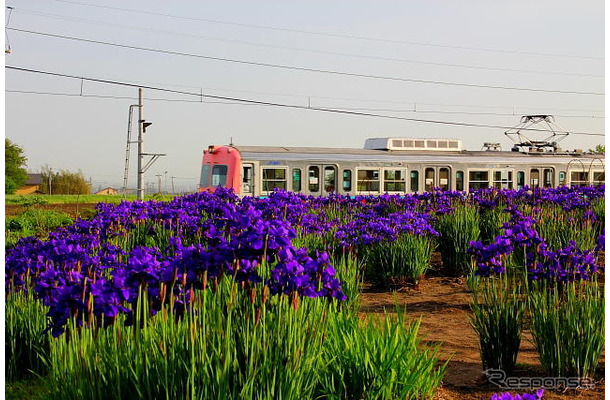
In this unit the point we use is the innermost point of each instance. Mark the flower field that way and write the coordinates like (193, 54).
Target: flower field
(214, 296)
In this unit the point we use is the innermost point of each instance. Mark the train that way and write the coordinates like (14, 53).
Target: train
(395, 165)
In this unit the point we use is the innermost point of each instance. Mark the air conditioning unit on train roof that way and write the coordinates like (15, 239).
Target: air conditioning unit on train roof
(419, 144)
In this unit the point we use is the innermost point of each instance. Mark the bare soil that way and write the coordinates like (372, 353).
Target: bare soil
(443, 304)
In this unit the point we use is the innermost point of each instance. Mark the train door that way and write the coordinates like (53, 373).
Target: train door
(548, 177)
(520, 179)
(322, 179)
(534, 177)
(429, 179)
(346, 181)
(444, 178)
(247, 179)
(542, 177)
(437, 177)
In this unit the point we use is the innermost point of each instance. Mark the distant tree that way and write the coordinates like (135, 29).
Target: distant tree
(600, 149)
(64, 182)
(15, 174)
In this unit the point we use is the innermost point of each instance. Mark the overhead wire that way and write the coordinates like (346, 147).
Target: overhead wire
(415, 111)
(386, 101)
(291, 106)
(360, 56)
(327, 34)
(304, 69)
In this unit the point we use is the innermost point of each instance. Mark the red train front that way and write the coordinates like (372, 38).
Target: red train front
(220, 167)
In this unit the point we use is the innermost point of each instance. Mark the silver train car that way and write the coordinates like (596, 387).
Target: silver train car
(395, 166)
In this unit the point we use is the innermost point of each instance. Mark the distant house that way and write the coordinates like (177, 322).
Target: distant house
(107, 190)
(32, 186)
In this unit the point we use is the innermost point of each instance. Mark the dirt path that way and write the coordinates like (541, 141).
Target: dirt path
(443, 304)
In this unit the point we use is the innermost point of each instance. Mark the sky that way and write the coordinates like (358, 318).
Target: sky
(419, 68)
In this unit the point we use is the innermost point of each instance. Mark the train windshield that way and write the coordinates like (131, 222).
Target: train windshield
(219, 175)
(205, 176)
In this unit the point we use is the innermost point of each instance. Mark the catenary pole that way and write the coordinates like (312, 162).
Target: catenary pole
(140, 188)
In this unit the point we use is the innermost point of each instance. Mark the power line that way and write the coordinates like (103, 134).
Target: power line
(114, 97)
(295, 68)
(361, 56)
(291, 106)
(385, 101)
(328, 34)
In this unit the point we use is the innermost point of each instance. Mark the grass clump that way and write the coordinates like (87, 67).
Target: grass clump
(497, 317)
(399, 263)
(26, 346)
(379, 360)
(568, 327)
(457, 229)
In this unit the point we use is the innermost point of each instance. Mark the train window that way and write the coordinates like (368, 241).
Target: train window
(534, 177)
(246, 181)
(314, 179)
(205, 176)
(599, 178)
(579, 178)
(547, 174)
(503, 179)
(520, 179)
(368, 180)
(562, 178)
(429, 175)
(274, 178)
(415, 181)
(443, 178)
(478, 179)
(330, 176)
(459, 180)
(347, 180)
(219, 175)
(394, 180)
(296, 179)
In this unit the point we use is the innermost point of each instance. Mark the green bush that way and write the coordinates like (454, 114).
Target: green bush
(34, 223)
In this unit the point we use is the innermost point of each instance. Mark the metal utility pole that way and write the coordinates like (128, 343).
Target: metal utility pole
(140, 189)
(159, 180)
(128, 150)
(142, 125)
(173, 189)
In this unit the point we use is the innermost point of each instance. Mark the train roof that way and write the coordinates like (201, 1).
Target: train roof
(353, 154)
